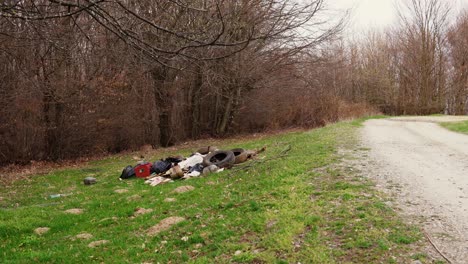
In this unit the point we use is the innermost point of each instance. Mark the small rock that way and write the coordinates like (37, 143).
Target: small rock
(121, 191)
(183, 189)
(199, 245)
(165, 224)
(416, 262)
(141, 211)
(210, 169)
(185, 238)
(170, 200)
(75, 211)
(89, 180)
(97, 243)
(238, 252)
(84, 236)
(271, 224)
(134, 197)
(41, 230)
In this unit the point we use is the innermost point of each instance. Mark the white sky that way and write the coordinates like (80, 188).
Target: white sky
(369, 14)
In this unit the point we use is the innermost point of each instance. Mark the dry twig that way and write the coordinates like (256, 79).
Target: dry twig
(436, 248)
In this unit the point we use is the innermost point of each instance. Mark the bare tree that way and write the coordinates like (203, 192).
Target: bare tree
(422, 39)
(108, 75)
(458, 45)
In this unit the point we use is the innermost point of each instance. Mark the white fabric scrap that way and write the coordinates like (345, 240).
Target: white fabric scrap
(157, 180)
(194, 174)
(191, 161)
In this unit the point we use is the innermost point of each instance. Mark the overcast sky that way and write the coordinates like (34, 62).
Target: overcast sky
(378, 13)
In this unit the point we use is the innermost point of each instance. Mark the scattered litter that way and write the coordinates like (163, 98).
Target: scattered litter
(185, 238)
(121, 191)
(238, 252)
(75, 211)
(206, 150)
(240, 155)
(186, 177)
(41, 230)
(194, 174)
(185, 188)
(98, 243)
(143, 170)
(204, 161)
(196, 168)
(210, 169)
(89, 180)
(157, 180)
(176, 172)
(191, 161)
(52, 196)
(165, 224)
(220, 158)
(84, 236)
(161, 166)
(127, 172)
(170, 200)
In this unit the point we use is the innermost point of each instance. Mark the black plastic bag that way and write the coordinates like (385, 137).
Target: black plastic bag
(128, 172)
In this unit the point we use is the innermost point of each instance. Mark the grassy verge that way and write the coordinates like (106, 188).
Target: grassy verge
(302, 208)
(460, 127)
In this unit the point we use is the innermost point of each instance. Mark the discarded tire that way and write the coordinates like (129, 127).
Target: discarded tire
(220, 158)
(240, 154)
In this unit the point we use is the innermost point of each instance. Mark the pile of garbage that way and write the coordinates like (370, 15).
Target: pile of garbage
(204, 161)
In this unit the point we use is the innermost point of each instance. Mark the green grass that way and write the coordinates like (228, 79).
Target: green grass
(460, 127)
(302, 208)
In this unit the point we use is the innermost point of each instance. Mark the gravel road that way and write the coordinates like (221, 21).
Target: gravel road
(425, 168)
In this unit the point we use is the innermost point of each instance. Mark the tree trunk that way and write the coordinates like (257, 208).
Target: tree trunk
(164, 103)
(195, 104)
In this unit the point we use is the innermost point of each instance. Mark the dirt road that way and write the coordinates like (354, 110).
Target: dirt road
(425, 168)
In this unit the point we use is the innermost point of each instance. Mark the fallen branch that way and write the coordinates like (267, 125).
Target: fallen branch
(436, 248)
